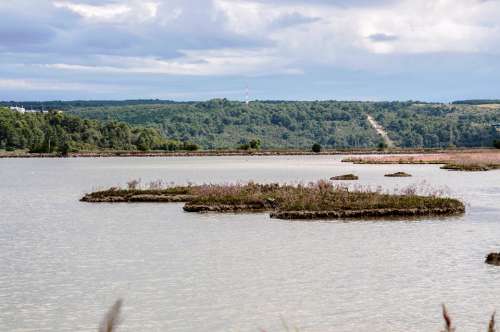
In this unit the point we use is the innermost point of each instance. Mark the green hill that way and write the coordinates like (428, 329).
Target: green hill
(228, 124)
(220, 123)
(290, 124)
(438, 125)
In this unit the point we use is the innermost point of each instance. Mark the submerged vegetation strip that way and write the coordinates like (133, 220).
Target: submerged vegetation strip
(318, 200)
(467, 161)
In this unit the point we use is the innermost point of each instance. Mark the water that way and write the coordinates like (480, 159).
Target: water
(63, 263)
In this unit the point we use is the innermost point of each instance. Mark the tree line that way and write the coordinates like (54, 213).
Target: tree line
(220, 123)
(437, 125)
(224, 124)
(63, 133)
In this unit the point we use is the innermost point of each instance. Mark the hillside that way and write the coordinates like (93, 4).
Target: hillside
(221, 123)
(438, 125)
(334, 124)
(226, 124)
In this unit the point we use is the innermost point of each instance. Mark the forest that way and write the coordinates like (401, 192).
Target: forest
(223, 124)
(62, 133)
(477, 102)
(220, 123)
(437, 125)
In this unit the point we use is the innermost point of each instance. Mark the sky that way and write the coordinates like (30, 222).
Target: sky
(428, 50)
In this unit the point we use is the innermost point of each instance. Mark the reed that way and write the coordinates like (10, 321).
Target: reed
(448, 327)
(465, 161)
(112, 319)
(491, 325)
(320, 199)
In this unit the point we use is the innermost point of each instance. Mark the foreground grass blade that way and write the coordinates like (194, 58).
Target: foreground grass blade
(112, 318)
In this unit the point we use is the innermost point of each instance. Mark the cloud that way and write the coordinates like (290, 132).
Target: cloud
(52, 39)
(112, 12)
(107, 12)
(382, 37)
(13, 33)
(420, 26)
(333, 3)
(53, 85)
(294, 19)
(192, 63)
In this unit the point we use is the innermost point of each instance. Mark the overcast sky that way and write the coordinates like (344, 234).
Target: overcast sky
(432, 50)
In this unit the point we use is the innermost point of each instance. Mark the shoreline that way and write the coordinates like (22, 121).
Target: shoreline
(226, 153)
(466, 161)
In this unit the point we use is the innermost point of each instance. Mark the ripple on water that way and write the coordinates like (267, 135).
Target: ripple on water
(62, 262)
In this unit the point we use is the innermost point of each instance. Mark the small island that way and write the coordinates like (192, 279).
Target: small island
(319, 200)
(493, 259)
(468, 167)
(345, 177)
(398, 175)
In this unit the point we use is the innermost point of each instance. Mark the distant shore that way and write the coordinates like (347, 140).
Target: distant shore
(468, 161)
(222, 153)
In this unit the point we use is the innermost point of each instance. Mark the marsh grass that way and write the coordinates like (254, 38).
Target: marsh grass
(492, 323)
(465, 161)
(112, 319)
(314, 197)
(448, 326)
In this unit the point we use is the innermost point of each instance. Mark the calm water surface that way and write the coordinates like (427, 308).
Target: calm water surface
(62, 262)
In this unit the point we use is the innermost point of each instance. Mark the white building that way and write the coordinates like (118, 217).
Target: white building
(24, 110)
(18, 109)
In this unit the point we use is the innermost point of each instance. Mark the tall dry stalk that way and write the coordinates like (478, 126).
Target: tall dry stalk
(491, 325)
(133, 184)
(448, 327)
(112, 318)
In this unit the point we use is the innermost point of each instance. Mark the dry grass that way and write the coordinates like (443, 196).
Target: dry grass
(448, 327)
(448, 324)
(313, 197)
(491, 325)
(489, 106)
(112, 319)
(466, 161)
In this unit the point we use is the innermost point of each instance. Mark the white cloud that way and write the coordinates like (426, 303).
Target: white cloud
(423, 26)
(133, 9)
(430, 26)
(315, 34)
(104, 12)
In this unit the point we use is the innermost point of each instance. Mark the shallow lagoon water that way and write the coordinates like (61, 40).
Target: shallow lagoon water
(63, 262)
